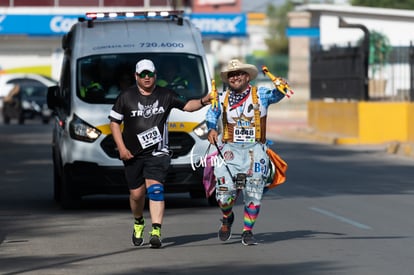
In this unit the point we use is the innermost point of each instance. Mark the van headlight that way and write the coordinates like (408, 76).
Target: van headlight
(201, 130)
(80, 130)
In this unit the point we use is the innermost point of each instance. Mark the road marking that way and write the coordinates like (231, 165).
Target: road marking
(340, 218)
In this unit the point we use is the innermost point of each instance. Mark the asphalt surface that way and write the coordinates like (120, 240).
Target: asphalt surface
(343, 210)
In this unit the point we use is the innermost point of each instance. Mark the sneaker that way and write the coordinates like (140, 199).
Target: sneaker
(155, 238)
(248, 238)
(224, 233)
(137, 234)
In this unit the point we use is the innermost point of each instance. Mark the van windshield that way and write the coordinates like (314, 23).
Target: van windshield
(102, 77)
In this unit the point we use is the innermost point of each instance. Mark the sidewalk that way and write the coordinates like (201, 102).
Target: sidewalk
(289, 122)
(286, 122)
(288, 119)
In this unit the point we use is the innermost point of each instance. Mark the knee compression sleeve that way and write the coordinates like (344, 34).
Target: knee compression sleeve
(156, 192)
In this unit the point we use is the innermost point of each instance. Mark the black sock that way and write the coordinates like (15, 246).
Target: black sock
(139, 220)
(156, 225)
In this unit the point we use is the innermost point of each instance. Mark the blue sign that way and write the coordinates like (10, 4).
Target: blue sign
(220, 24)
(216, 25)
(41, 25)
(308, 32)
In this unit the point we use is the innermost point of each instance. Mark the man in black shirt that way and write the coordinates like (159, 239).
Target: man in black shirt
(142, 144)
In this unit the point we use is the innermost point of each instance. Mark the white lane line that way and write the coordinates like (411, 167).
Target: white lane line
(340, 218)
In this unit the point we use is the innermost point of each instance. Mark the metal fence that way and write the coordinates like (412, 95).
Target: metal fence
(344, 73)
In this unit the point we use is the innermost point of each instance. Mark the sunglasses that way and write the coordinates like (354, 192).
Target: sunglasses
(146, 73)
(236, 73)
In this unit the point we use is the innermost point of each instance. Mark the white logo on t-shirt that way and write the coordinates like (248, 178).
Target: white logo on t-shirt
(147, 111)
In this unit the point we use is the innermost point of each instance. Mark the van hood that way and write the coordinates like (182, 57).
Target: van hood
(93, 114)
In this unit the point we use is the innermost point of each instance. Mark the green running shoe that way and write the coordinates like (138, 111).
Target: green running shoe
(138, 234)
(155, 238)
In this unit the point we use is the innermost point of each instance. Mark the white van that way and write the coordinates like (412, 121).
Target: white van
(105, 48)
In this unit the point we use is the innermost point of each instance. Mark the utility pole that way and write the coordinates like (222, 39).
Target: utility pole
(365, 50)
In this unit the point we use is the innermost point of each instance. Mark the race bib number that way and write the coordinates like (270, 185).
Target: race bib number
(149, 137)
(244, 134)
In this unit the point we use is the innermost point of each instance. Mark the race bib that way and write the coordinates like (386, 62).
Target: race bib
(149, 137)
(244, 134)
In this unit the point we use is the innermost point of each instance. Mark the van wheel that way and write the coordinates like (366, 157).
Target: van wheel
(57, 182)
(197, 194)
(69, 197)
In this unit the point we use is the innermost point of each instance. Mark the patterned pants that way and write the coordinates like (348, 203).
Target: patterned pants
(248, 159)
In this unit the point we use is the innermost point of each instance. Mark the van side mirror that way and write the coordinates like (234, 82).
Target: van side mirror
(53, 97)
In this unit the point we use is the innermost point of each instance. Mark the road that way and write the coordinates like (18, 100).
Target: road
(343, 210)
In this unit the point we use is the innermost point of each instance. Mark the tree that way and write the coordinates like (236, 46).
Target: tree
(379, 48)
(390, 4)
(277, 43)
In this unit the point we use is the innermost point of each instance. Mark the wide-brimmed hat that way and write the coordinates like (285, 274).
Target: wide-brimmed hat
(235, 65)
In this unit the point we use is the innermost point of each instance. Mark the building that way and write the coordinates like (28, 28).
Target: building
(318, 25)
(31, 32)
(352, 121)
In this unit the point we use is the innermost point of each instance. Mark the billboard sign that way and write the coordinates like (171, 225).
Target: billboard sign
(41, 25)
(220, 25)
(216, 25)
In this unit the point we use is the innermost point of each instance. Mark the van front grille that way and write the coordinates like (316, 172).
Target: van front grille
(109, 147)
(180, 143)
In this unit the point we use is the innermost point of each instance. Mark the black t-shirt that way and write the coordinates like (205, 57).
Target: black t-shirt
(141, 113)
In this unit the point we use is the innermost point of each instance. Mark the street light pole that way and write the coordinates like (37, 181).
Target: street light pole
(365, 50)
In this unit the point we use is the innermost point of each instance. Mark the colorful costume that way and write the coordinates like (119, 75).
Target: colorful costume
(246, 168)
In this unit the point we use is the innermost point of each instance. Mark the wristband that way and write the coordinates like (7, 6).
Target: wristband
(202, 103)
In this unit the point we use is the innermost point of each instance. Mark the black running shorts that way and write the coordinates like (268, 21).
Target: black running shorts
(150, 167)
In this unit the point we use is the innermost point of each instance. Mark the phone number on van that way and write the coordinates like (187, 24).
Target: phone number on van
(161, 45)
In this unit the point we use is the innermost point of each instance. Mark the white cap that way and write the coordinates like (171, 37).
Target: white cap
(145, 65)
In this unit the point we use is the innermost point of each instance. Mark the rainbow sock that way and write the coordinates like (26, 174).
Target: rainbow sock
(226, 209)
(250, 215)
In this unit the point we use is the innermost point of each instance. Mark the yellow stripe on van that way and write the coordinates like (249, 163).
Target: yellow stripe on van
(182, 126)
(106, 129)
(172, 127)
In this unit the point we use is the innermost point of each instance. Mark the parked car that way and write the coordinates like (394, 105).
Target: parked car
(7, 81)
(23, 96)
(26, 102)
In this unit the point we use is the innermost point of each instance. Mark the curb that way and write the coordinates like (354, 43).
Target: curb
(404, 149)
(401, 149)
